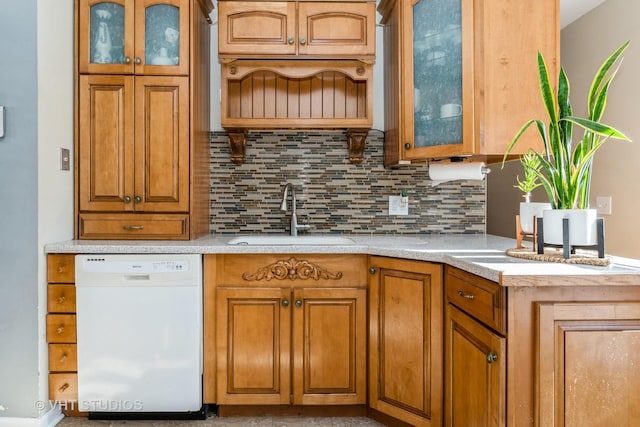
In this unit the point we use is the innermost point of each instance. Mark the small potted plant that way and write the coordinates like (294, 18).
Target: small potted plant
(529, 210)
(566, 165)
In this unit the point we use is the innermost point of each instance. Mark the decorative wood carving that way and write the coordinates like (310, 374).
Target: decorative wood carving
(357, 139)
(291, 269)
(238, 145)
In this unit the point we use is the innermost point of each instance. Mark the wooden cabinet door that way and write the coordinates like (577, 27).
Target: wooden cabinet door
(162, 37)
(253, 346)
(587, 358)
(329, 346)
(256, 28)
(106, 142)
(127, 36)
(162, 144)
(405, 340)
(336, 28)
(475, 373)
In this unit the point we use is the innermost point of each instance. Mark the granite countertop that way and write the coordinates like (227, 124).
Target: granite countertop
(480, 254)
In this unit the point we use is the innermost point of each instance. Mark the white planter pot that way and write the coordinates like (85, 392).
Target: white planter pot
(528, 210)
(582, 226)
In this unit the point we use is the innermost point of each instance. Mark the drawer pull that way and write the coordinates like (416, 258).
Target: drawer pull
(63, 387)
(133, 227)
(61, 299)
(491, 357)
(60, 329)
(467, 296)
(63, 357)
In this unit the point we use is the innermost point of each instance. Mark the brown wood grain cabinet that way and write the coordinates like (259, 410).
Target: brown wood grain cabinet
(143, 115)
(61, 331)
(289, 329)
(461, 75)
(474, 351)
(328, 29)
(405, 340)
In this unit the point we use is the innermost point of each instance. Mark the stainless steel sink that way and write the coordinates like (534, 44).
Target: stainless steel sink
(291, 240)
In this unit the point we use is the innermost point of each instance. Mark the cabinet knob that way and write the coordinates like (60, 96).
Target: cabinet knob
(137, 61)
(285, 303)
(60, 329)
(407, 145)
(61, 299)
(127, 199)
(491, 357)
(290, 40)
(137, 199)
(303, 40)
(127, 60)
(63, 387)
(372, 270)
(63, 357)
(463, 295)
(298, 303)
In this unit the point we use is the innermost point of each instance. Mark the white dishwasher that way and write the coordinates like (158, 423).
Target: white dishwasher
(139, 335)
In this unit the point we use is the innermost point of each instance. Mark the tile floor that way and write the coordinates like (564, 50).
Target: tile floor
(214, 421)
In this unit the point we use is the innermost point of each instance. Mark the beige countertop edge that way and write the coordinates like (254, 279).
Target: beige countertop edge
(478, 254)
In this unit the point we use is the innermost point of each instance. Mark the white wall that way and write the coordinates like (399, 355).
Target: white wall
(616, 171)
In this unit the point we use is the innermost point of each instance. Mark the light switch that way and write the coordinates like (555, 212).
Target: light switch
(1, 121)
(65, 161)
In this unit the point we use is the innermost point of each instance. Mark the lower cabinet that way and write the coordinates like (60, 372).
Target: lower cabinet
(405, 340)
(288, 329)
(474, 351)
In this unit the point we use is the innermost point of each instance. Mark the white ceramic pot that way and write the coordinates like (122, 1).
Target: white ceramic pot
(582, 226)
(529, 210)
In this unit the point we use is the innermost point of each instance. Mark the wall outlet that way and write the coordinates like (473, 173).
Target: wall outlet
(603, 205)
(397, 207)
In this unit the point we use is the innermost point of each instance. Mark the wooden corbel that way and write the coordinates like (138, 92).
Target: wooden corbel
(238, 145)
(357, 139)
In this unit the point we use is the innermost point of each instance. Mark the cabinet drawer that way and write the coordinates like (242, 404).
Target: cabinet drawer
(63, 357)
(61, 298)
(61, 328)
(61, 268)
(134, 226)
(481, 298)
(63, 387)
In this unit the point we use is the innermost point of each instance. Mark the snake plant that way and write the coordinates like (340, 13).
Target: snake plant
(565, 171)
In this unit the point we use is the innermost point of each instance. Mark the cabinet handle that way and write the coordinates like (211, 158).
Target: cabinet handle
(127, 199)
(133, 227)
(491, 357)
(303, 41)
(285, 303)
(298, 303)
(407, 146)
(63, 387)
(290, 40)
(61, 299)
(467, 296)
(137, 199)
(60, 329)
(138, 61)
(127, 60)
(372, 270)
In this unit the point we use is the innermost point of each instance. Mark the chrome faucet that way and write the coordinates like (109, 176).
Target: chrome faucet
(294, 218)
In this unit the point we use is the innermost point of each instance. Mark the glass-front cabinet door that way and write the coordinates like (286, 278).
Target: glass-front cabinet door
(438, 87)
(127, 37)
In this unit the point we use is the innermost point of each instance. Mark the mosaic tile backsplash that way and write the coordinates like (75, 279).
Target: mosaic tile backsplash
(333, 195)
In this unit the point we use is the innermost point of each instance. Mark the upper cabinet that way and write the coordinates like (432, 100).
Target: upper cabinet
(461, 75)
(296, 65)
(323, 29)
(134, 37)
(142, 119)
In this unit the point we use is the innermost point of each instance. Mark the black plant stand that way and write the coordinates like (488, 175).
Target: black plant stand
(568, 249)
